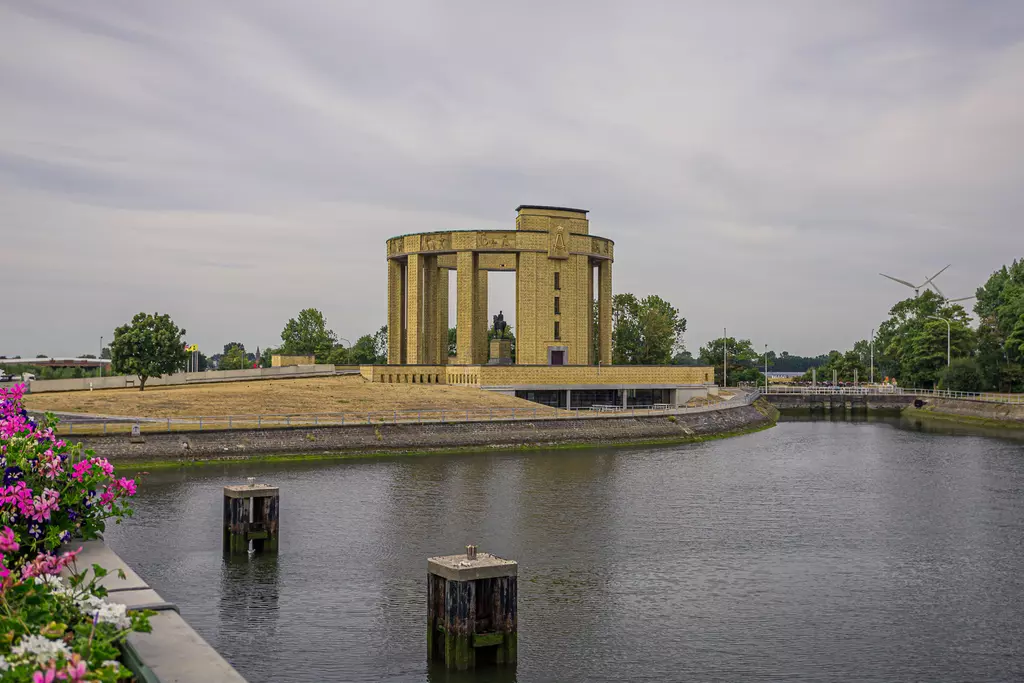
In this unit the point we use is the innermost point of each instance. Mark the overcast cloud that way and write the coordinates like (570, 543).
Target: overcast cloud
(756, 163)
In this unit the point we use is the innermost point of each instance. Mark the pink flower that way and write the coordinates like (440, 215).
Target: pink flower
(75, 670)
(45, 564)
(47, 676)
(107, 468)
(126, 485)
(79, 469)
(7, 542)
(106, 498)
(41, 506)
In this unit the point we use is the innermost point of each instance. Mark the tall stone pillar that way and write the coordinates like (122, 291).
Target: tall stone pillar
(441, 301)
(589, 284)
(428, 342)
(414, 310)
(466, 319)
(481, 351)
(604, 311)
(395, 300)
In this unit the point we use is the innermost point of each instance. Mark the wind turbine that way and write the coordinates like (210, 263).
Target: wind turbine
(917, 288)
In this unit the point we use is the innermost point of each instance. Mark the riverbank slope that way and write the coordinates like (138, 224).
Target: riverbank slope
(969, 412)
(241, 444)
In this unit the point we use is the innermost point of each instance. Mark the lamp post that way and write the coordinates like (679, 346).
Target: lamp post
(725, 356)
(872, 379)
(949, 335)
(766, 368)
(101, 355)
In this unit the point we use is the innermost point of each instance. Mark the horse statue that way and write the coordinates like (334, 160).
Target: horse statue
(499, 325)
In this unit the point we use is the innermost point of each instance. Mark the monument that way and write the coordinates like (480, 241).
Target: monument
(562, 358)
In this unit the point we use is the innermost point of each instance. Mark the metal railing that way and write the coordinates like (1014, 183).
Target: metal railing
(71, 424)
(986, 397)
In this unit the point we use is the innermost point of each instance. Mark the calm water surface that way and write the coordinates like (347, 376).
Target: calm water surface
(815, 551)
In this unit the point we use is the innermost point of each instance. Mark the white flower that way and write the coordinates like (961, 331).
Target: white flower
(41, 648)
(112, 663)
(54, 582)
(4, 665)
(106, 612)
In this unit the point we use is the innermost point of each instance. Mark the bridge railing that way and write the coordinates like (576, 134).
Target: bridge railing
(70, 424)
(986, 397)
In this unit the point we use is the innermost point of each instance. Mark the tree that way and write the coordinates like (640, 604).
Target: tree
(105, 353)
(912, 341)
(962, 374)
(645, 331)
(1000, 345)
(364, 351)
(845, 367)
(380, 345)
(308, 335)
(234, 357)
(148, 346)
(453, 342)
(743, 360)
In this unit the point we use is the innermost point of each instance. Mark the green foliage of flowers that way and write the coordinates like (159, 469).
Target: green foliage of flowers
(52, 629)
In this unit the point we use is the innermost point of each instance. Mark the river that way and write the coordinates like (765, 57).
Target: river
(814, 551)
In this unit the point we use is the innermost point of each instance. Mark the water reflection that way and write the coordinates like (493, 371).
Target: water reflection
(862, 550)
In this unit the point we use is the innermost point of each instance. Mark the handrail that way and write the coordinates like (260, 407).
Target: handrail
(986, 397)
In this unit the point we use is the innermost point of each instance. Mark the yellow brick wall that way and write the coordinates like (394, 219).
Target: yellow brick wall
(511, 375)
(284, 361)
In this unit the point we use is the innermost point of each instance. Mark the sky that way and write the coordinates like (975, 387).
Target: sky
(757, 164)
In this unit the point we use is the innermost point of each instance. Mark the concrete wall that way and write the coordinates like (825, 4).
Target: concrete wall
(127, 381)
(1011, 415)
(240, 444)
(173, 650)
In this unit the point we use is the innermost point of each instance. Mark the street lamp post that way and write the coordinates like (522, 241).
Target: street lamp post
(949, 335)
(725, 356)
(766, 368)
(872, 379)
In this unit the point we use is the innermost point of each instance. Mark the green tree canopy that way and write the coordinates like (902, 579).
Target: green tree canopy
(913, 339)
(308, 335)
(1000, 310)
(148, 346)
(646, 331)
(743, 360)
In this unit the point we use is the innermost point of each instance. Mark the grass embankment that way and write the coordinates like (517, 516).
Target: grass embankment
(352, 396)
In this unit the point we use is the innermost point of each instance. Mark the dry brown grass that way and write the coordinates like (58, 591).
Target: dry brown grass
(344, 394)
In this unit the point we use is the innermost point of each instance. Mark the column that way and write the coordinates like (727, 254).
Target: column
(604, 311)
(441, 301)
(481, 350)
(465, 321)
(395, 299)
(428, 342)
(526, 332)
(414, 310)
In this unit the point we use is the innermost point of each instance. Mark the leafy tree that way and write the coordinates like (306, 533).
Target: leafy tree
(308, 335)
(338, 355)
(235, 357)
(786, 362)
(266, 359)
(845, 367)
(1000, 310)
(453, 342)
(645, 331)
(364, 351)
(380, 345)
(148, 346)
(962, 374)
(743, 360)
(684, 358)
(41, 355)
(913, 341)
(105, 353)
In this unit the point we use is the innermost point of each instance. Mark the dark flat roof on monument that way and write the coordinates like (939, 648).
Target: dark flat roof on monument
(552, 208)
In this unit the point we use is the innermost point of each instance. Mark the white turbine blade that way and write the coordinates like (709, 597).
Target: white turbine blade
(936, 288)
(963, 298)
(936, 275)
(896, 279)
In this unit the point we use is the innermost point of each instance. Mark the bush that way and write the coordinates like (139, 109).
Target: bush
(962, 374)
(52, 493)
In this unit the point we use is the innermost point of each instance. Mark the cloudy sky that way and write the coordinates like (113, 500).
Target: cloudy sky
(756, 163)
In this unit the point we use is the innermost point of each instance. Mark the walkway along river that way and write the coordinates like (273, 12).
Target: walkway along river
(815, 551)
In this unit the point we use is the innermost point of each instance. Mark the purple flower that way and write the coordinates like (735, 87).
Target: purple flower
(35, 531)
(12, 474)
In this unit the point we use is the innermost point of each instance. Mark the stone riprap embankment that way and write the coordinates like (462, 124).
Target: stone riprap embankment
(840, 402)
(998, 414)
(377, 438)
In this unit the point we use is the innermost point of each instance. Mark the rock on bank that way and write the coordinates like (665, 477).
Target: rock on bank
(377, 438)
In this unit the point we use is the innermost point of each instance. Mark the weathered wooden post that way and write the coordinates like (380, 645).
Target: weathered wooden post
(471, 610)
(250, 514)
